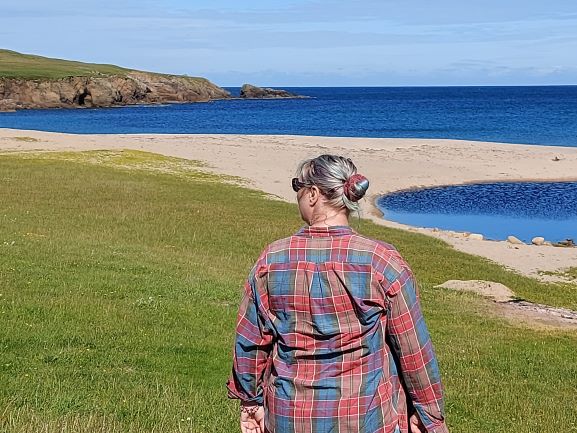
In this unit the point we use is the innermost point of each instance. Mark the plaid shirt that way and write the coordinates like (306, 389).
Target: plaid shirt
(331, 338)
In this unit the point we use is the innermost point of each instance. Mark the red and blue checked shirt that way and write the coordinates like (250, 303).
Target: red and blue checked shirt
(330, 338)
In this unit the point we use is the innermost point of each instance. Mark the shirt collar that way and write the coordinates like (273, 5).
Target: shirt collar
(319, 232)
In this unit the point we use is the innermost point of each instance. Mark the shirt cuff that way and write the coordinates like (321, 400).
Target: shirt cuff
(234, 393)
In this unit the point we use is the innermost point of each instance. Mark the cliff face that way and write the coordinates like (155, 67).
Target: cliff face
(105, 91)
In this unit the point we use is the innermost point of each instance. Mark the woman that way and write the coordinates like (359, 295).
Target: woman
(330, 335)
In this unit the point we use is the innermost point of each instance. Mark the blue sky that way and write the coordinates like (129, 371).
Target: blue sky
(309, 42)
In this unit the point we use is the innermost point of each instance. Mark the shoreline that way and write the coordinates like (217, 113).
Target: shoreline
(232, 134)
(391, 164)
(474, 182)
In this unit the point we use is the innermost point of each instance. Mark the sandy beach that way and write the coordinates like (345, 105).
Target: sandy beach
(268, 163)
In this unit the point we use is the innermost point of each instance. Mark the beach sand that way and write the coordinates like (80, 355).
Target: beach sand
(268, 163)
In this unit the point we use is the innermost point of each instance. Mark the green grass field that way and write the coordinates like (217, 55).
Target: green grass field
(120, 276)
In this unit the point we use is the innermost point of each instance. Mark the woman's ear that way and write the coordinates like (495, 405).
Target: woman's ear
(314, 195)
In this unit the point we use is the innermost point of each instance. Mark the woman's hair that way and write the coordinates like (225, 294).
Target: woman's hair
(337, 179)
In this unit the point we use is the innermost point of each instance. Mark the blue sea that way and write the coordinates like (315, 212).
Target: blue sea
(544, 115)
(532, 115)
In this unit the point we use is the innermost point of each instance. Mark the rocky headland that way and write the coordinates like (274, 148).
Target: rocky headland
(29, 81)
(105, 91)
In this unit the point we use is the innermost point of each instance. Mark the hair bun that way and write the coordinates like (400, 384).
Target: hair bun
(355, 187)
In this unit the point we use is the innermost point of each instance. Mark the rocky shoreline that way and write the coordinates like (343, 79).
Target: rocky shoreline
(119, 90)
(105, 91)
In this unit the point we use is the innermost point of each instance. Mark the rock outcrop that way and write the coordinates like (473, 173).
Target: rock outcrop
(514, 240)
(248, 91)
(105, 91)
(568, 243)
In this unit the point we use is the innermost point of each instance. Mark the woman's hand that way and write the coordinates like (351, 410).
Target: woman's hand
(251, 419)
(415, 424)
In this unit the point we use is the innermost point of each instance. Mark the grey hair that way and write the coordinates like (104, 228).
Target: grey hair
(329, 174)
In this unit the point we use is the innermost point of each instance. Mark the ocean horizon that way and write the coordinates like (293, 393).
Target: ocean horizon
(545, 115)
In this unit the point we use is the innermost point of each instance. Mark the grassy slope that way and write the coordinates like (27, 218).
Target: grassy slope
(16, 65)
(119, 290)
(27, 66)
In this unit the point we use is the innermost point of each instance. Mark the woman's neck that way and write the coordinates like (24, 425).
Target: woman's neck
(323, 220)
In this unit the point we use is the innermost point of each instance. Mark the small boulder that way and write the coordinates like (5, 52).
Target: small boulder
(514, 240)
(476, 236)
(538, 240)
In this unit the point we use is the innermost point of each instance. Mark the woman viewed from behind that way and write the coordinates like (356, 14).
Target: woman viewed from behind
(330, 335)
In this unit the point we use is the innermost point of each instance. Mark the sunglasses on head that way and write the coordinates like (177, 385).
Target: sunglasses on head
(297, 184)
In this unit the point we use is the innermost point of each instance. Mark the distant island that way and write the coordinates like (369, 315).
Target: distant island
(248, 91)
(29, 81)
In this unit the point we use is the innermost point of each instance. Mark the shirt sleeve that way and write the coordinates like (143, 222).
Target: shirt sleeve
(253, 344)
(411, 343)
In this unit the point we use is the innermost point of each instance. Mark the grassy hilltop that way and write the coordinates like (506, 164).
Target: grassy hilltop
(32, 67)
(120, 277)
(28, 66)
(28, 81)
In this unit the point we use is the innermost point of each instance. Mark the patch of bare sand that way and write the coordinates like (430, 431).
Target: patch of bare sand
(517, 311)
(496, 291)
(268, 162)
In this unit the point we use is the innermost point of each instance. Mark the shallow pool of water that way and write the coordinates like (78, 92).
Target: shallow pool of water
(496, 210)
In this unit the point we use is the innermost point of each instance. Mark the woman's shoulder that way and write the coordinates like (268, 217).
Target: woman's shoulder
(386, 259)
(275, 250)
(280, 245)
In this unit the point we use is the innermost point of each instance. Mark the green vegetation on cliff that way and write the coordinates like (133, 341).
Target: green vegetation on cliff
(32, 67)
(27, 66)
